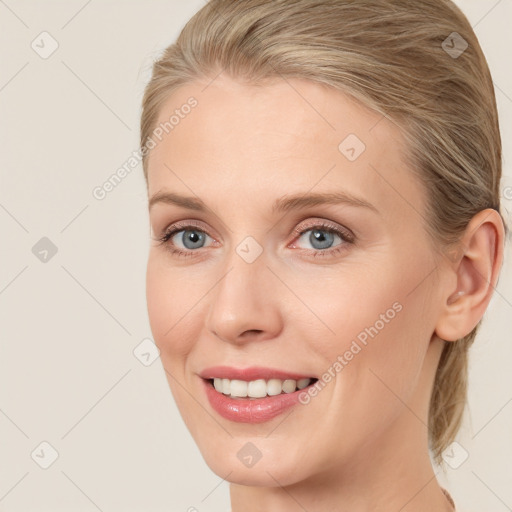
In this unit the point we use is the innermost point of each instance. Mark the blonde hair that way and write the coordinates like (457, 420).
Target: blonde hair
(397, 57)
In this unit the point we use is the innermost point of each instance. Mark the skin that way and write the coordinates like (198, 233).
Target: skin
(361, 443)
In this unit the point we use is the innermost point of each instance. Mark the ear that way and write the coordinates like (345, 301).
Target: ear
(477, 267)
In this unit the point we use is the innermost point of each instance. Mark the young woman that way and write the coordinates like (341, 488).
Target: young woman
(323, 183)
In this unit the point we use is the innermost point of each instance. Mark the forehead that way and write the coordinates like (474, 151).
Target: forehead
(283, 137)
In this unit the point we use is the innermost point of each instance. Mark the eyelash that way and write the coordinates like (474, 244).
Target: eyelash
(346, 236)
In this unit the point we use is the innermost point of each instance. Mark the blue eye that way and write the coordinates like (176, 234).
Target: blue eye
(322, 236)
(191, 238)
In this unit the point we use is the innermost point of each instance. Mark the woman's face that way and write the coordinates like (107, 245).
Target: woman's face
(273, 278)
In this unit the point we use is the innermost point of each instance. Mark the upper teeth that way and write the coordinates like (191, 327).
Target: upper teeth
(258, 388)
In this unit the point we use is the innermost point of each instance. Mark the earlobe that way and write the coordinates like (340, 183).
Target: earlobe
(477, 269)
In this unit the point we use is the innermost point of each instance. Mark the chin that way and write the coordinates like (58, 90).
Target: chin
(232, 461)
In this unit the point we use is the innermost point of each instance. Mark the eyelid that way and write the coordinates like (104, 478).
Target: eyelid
(297, 231)
(327, 225)
(183, 225)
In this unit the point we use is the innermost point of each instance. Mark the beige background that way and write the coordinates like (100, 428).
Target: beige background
(69, 325)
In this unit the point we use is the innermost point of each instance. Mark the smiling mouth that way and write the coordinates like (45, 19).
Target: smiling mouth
(260, 388)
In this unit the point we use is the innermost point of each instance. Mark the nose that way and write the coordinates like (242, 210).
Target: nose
(244, 305)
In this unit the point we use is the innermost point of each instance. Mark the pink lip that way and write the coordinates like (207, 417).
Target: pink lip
(248, 374)
(244, 410)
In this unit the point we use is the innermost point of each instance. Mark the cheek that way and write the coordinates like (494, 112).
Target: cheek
(172, 309)
(379, 320)
(381, 332)
(171, 303)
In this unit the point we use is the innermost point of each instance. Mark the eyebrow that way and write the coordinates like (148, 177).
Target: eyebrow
(283, 204)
